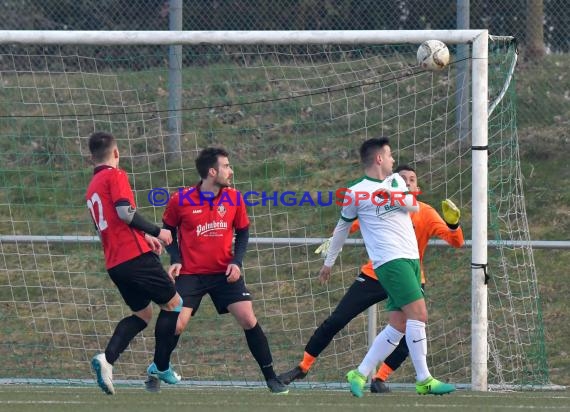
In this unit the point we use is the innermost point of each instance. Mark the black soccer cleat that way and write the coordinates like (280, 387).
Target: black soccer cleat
(276, 386)
(292, 375)
(378, 386)
(152, 384)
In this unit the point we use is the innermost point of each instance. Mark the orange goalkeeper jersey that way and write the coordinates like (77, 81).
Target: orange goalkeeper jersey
(427, 224)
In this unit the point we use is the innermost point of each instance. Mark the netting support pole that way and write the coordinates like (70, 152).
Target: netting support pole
(174, 123)
(479, 323)
(372, 331)
(463, 95)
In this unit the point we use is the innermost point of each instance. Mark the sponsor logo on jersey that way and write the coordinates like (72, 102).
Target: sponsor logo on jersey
(383, 211)
(211, 227)
(196, 211)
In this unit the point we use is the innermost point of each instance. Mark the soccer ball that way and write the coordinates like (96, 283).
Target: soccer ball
(433, 55)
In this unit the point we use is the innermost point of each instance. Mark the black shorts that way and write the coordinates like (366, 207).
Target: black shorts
(142, 280)
(192, 289)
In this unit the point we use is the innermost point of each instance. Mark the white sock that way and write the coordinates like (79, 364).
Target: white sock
(417, 344)
(384, 344)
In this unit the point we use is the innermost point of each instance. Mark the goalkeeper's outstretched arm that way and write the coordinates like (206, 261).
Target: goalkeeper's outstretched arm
(451, 213)
(337, 241)
(323, 248)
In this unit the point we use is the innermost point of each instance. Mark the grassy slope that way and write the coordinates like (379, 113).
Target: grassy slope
(544, 116)
(544, 120)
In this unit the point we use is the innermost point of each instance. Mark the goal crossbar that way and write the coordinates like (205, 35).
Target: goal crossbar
(236, 37)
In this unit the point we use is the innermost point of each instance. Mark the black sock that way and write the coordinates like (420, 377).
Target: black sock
(165, 338)
(259, 347)
(399, 355)
(124, 333)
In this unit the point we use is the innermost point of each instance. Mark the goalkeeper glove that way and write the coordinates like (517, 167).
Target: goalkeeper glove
(323, 249)
(451, 213)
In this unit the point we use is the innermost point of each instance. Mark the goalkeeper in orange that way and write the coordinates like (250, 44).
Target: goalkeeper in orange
(367, 290)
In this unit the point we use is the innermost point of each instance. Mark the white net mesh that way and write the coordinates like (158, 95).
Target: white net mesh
(292, 118)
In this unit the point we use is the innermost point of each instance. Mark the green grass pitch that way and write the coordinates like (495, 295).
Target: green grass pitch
(18, 398)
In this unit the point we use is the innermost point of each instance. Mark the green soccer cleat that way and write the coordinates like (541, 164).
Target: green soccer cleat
(434, 387)
(104, 372)
(356, 381)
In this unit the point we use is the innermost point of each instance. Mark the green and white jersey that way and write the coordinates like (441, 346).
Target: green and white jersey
(385, 223)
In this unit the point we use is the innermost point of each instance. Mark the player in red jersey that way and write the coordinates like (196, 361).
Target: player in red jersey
(203, 220)
(131, 245)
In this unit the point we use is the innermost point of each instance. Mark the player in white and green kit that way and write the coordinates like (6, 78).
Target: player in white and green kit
(382, 204)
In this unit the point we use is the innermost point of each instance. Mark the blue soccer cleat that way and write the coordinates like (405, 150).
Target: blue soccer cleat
(167, 376)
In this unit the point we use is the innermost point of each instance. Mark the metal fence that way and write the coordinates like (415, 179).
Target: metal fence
(501, 17)
(541, 26)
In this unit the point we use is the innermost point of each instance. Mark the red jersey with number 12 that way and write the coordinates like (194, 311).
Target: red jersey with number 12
(205, 227)
(120, 242)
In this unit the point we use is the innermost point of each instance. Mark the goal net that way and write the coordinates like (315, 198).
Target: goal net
(292, 117)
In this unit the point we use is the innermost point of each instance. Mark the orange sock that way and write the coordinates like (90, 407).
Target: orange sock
(384, 372)
(307, 362)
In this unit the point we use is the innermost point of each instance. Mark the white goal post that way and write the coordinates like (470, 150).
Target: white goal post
(479, 41)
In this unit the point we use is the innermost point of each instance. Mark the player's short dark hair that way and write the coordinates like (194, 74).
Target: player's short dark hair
(405, 167)
(208, 158)
(100, 145)
(370, 148)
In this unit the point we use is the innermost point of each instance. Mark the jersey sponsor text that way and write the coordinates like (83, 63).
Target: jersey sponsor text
(211, 226)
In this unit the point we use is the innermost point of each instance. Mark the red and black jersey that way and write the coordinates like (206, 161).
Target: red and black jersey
(206, 227)
(120, 242)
